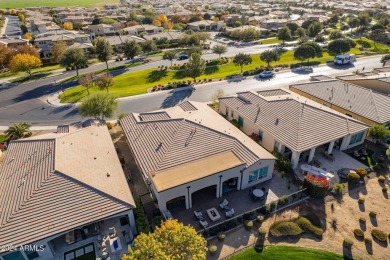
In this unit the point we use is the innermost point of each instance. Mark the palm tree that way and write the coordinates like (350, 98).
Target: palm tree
(17, 131)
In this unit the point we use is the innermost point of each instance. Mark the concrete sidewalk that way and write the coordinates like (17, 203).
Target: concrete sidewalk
(4, 26)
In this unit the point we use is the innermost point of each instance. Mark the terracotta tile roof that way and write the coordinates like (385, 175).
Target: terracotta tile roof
(57, 182)
(293, 120)
(359, 100)
(186, 137)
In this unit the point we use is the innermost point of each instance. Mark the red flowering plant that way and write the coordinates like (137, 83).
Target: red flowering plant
(317, 186)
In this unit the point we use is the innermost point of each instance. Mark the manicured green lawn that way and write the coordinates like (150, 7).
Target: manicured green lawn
(28, 78)
(41, 69)
(286, 252)
(51, 3)
(274, 40)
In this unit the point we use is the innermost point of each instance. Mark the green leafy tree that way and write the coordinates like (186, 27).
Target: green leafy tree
(335, 35)
(73, 57)
(219, 49)
(99, 105)
(301, 33)
(378, 132)
(171, 240)
(314, 29)
(293, 27)
(354, 22)
(284, 34)
(269, 56)
(131, 49)
(87, 81)
(148, 46)
(304, 52)
(378, 35)
(56, 51)
(339, 46)
(103, 50)
(18, 131)
(317, 48)
(24, 62)
(242, 59)
(170, 55)
(193, 50)
(334, 19)
(364, 19)
(195, 66)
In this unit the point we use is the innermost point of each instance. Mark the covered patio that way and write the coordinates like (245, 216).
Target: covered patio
(240, 200)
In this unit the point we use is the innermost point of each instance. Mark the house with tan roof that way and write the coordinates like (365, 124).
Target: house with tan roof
(375, 82)
(190, 147)
(59, 191)
(363, 104)
(291, 124)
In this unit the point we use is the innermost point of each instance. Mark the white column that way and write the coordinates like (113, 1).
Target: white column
(130, 215)
(330, 148)
(282, 148)
(218, 190)
(295, 159)
(344, 143)
(311, 154)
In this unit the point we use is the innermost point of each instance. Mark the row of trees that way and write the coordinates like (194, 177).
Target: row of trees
(25, 58)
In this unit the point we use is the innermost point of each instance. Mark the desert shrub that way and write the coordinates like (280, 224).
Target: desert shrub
(109, 125)
(361, 200)
(353, 177)
(358, 232)
(213, 249)
(249, 225)
(379, 234)
(262, 231)
(362, 220)
(307, 226)
(317, 186)
(283, 200)
(384, 189)
(372, 214)
(221, 236)
(381, 159)
(348, 243)
(362, 172)
(381, 179)
(368, 240)
(338, 188)
(285, 228)
(260, 219)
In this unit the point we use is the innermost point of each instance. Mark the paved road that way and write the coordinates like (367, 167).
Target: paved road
(12, 28)
(27, 103)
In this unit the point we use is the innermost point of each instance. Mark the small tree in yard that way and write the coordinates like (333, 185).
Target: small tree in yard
(170, 55)
(103, 50)
(131, 49)
(385, 59)
(87, 81)
(171, 240)
(314, 29)
(149, 45)
(301, 33)
(269, 56)
(284, 34)
(104, 81)
(335, 35)
(219, 49)
(378, 35)
(57, 49)
(18, 131)
(195, 66)
(24, 62)
(99, 105)
(242, 59)
(73, 57)
(304, 52)
(378, 132)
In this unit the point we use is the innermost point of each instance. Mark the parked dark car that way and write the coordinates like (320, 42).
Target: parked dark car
(266, 74)
(183, 56)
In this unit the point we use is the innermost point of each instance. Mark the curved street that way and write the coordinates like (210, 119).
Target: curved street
(27, 102)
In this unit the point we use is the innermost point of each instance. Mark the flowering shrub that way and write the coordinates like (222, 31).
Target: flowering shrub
(317, 186)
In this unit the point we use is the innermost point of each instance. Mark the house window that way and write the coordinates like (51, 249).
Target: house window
(276, 146)
(16, 255)
(31, 254)
(227, 111)
(240, 121)
(260, 135)
(232, 114)
(356, 138)
(258, 174)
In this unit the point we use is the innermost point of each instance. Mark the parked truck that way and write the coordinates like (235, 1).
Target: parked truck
(344, 59)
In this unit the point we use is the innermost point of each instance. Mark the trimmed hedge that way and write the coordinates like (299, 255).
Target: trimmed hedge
(213, 249)
(249, 225)
(362, 220)
(306, 225)
(372, 214)
(348, 243)
(362, 172)
(368, 240)
(285, 228)
(361, 200)
(384, 189)
(358, 232)
(221, 236)
(141, 220)
(353, 177)
(262, 231)
(381, 179)
(379, 234)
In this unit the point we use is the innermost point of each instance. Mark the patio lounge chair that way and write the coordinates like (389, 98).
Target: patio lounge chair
(230, 213)
(198, 215)
(224, 204)
(203, 223)
(364, 152)
(356, 153)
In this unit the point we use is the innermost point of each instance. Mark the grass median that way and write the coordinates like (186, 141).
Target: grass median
(135, 83)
